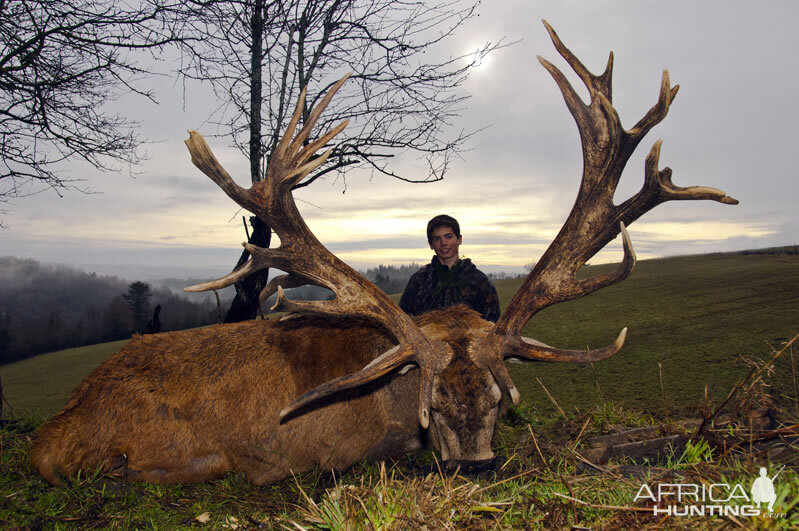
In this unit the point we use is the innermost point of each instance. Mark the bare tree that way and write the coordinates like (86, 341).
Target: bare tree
(60, 62)
(402, 98)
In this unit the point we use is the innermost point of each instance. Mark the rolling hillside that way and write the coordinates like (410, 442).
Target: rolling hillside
(694, 314)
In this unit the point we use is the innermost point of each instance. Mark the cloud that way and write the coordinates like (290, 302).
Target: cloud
(705, 230)
(732, 126)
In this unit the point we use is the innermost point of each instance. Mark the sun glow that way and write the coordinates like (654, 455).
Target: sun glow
(478, 57)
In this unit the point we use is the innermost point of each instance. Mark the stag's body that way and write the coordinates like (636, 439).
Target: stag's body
(190, 406)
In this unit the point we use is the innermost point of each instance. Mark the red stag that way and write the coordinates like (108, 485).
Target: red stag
(192, 405)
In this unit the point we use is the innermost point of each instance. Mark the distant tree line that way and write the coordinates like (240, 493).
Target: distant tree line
(390, 278)
(784, 249)
(48, 307)
(45, 308)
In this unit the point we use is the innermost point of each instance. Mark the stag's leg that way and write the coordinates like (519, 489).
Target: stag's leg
(207, 467)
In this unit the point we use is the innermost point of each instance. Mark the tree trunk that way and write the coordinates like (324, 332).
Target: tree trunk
(245, 304)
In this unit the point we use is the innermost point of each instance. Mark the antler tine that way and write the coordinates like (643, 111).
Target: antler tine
(228, 280)
(382, 365)
(306, 260)
(601, 83)
(316, 112)
(282, 282)
(283, 145)
(291, 151)
(594, 219)
(658, 111)
(204, 159)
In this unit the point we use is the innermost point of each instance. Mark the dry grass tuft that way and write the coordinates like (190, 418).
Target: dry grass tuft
(392, 500)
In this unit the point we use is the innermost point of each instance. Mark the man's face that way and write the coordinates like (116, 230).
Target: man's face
(445, 244)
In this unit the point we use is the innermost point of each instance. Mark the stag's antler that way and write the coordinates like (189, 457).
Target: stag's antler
(308, 262)
(594, 219)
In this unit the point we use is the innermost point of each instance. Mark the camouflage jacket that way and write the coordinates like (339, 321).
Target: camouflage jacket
(436, 286)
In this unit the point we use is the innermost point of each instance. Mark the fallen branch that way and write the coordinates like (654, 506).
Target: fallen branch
(535, 441)
(551, 398)
(791, 431)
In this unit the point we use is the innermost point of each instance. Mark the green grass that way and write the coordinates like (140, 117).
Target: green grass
(693, 314)
(42, 384)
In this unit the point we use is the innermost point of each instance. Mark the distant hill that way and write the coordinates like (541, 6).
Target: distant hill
(47, 307)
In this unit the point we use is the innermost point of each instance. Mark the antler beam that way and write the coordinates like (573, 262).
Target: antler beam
(305, 259)
(594, 219)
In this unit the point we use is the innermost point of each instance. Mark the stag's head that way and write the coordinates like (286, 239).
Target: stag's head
(460, 357)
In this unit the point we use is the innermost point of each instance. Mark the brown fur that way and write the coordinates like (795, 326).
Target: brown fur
(192, 405)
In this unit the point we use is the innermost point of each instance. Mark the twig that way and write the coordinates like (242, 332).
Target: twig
(662, 389)
(600, 468)
(728, 451)
(795, 388)
(598, 389)
(573, 499)
(535, 441)
(246, 230)
(609, 507)
(753, 373)
(585, 425)
(517, 476)
(551, 398)
(732, 519)
(592, 465)
(309, 500)
(218, 307)
(785, 430)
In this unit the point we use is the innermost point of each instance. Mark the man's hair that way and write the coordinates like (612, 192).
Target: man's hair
(442, 220)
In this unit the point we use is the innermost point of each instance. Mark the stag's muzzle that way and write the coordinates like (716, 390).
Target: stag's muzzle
(471, 467)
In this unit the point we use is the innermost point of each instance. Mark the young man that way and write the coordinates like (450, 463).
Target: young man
(448, 279)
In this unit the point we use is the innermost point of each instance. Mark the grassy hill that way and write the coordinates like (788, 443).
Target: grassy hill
(694, 314)
(41, 385)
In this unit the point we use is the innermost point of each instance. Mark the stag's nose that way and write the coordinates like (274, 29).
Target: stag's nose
(471, 467)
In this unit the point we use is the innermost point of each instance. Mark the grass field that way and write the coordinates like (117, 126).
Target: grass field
(695, 315)
(42, 384)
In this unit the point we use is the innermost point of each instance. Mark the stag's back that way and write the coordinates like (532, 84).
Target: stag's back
(207, 401)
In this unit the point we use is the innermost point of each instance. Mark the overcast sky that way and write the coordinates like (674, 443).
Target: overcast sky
(732, 126)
